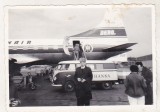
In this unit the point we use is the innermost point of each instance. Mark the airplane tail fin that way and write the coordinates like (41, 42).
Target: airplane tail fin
(112, 18)
(111, 25)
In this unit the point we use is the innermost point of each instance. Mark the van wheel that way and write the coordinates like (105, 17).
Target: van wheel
(121, 81)
(69, 86)
(106, 85)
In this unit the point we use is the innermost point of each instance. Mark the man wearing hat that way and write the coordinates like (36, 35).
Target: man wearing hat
(83, 78)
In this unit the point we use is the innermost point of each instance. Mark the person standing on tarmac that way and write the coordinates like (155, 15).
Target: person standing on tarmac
(13, 93)
(147, 74)
(135, 87)
(83, 77)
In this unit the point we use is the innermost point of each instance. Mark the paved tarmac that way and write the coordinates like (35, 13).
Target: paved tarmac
(46, 95)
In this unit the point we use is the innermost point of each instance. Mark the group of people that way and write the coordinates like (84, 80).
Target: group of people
(138, 84)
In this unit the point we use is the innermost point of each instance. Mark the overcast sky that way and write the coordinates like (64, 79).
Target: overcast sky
(48, 23)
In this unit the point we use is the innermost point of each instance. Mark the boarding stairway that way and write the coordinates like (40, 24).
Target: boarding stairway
(78, 52)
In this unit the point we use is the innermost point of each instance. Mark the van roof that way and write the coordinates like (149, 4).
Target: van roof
(88, 61)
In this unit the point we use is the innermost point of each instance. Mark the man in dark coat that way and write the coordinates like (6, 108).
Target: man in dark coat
(83, 78)
(147, 74)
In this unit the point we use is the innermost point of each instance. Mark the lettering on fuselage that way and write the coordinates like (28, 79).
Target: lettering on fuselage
(19, 42)
(107, 32)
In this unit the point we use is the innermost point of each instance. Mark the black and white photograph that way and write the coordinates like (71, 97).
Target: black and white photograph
(93, 55)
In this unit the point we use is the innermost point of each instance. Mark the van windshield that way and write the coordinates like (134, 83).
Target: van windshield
(65, 67)
(97, 66)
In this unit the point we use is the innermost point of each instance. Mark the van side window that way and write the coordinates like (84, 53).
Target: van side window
(109, 66)
(98, 66)
(77, 65)
(65, 67)
(91, 66)
(71, 66)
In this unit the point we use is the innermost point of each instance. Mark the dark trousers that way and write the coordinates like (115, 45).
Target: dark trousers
(149, 95)
(83, 102)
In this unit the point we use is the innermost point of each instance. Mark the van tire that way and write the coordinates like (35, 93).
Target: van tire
(106, 85)
(121, 81)
(69, 86)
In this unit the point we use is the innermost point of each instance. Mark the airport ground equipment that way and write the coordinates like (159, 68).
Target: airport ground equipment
(19, 82)
(104, 74)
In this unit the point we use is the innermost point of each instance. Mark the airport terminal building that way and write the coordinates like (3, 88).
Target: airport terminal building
(146, 60)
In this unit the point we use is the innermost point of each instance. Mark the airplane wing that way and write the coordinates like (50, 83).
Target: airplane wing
(28, 60)
(122, 47)
(21, 58)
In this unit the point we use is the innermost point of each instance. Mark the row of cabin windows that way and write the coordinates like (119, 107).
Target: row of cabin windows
(92, 66)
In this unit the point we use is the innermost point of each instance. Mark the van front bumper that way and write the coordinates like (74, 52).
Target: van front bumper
(56, 85)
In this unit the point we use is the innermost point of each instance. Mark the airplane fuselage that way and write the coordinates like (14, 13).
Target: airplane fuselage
(53, 50)
(96, 44)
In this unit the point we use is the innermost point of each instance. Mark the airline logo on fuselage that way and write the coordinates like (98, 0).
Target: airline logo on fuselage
(88, 48)
(111, 32)
(107, 33)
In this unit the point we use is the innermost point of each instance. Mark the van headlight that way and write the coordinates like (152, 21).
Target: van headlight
(55, 78)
